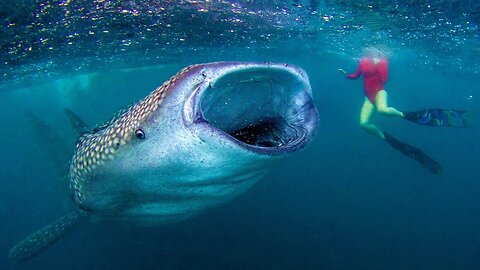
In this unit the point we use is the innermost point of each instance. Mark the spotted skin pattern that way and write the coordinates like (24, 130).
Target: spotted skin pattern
(182, 183)
(45, 237)
(94, 149)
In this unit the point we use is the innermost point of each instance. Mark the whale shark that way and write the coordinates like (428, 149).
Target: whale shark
(203, 137)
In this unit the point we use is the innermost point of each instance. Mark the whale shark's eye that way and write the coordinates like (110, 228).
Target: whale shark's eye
(139, 134)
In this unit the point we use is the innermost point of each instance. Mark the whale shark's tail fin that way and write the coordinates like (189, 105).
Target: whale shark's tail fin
(58, 151)
(45, 237)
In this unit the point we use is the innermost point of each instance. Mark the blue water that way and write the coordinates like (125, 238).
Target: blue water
(347, 201)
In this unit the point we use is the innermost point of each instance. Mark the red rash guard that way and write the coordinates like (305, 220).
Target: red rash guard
(374, 76)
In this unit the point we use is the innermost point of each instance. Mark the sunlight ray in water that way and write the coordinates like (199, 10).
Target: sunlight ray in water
(137, 33)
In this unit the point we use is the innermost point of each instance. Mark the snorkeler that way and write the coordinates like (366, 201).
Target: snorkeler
(374, 70)
(375, 74)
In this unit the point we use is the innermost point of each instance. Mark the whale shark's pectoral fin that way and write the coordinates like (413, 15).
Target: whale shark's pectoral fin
(45, 237)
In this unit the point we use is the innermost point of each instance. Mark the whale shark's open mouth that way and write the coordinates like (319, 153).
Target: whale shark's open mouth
(265, 108)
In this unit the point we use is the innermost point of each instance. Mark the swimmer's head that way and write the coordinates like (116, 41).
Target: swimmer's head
(374, 52)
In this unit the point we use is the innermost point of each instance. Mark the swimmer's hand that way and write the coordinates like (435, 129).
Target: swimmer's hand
(342, 71)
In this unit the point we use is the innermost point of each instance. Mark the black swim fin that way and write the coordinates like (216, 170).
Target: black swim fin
(415, 154)
(439, 117)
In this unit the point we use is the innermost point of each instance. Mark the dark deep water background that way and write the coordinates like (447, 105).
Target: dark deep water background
(347, 201)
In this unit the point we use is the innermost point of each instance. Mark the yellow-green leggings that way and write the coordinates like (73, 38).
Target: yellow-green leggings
(381, 106)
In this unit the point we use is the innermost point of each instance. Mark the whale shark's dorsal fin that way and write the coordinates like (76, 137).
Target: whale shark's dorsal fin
(45, 237)
(77, 123)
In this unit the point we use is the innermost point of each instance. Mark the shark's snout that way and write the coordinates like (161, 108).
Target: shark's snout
(266, 108)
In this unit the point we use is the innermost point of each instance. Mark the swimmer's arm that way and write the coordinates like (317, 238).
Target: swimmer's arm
(356, 74)
(352, 76)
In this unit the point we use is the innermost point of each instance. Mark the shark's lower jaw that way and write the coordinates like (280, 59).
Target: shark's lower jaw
(265, 108)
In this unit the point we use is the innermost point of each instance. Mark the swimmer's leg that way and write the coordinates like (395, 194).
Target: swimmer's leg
(382, 107)
(367, 111)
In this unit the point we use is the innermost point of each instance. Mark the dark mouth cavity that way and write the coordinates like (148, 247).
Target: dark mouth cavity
(260, 107)
(267, 132)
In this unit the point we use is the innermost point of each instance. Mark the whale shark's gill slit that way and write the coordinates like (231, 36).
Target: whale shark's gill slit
(261, 107)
